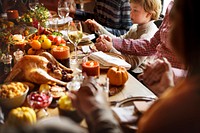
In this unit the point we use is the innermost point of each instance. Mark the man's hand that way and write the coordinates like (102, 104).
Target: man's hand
(92, 25)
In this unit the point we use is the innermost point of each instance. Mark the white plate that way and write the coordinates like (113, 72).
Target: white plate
(86, 37)
(59, 21)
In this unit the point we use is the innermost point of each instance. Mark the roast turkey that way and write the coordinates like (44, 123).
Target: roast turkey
(40, 69)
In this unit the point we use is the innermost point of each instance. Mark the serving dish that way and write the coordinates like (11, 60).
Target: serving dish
(13, 101)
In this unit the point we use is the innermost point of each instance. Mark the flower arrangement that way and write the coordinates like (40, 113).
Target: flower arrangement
(39, 15)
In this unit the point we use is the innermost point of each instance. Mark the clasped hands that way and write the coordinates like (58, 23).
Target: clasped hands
(158, 76)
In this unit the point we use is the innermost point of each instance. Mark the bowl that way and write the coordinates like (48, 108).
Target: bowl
(39, 100)
(10, 97)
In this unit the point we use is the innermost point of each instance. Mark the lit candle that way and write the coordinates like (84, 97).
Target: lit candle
(12, 14)
(62, 54)
(91, 68)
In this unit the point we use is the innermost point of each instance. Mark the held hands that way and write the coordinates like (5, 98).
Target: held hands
(89, 97)
(158, 76)
(104, 43)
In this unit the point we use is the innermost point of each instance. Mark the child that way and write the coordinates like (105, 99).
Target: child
(143, 14)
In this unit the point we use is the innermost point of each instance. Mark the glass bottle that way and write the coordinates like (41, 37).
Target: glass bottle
(18, 55)
(7, 60)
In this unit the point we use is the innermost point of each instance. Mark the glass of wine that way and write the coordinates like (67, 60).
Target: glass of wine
(75, 35)
(63, 9)
(33, 4)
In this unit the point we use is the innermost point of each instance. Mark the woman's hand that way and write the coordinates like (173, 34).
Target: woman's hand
(158, 76)
(104, 43)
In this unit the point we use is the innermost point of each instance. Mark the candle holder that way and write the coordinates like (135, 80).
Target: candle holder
(91, 68)
(62, 54)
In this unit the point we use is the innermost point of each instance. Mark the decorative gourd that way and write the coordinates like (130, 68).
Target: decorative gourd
(65, 103)
(117, 75)
(21, 116)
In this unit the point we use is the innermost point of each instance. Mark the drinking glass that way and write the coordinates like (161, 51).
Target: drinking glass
(63, 9)
(103, 82)
(75, 35)
(33, 4)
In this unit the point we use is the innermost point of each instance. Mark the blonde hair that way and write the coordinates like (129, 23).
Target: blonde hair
(151, 6)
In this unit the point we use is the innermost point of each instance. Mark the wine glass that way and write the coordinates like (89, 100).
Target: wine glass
(75, 35)
(63, 9)
(39, 101)
(33, 4)
(76, 82)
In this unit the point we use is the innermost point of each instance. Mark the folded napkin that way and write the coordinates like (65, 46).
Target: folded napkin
(125, 114)
(108, 60)
(88, 37)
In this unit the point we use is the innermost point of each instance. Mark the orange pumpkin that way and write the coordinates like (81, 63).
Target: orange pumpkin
(117, 75)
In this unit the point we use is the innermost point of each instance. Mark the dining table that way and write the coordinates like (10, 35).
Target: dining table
(132, 88)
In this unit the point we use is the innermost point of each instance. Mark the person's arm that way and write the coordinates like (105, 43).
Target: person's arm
(162, 76)
(138, 47)
(135, 61)
(101, 120)
(94, 26)
(92, 104)
(115, 31)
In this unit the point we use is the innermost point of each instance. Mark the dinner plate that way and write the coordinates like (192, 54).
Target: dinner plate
(129, 101)
(86, 37)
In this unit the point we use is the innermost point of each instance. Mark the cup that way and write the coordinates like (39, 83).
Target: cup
(54, 24)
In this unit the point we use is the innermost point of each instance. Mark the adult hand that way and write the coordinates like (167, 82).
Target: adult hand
(89, 97)
(158, 76)
(92, 25)
(104, 43)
